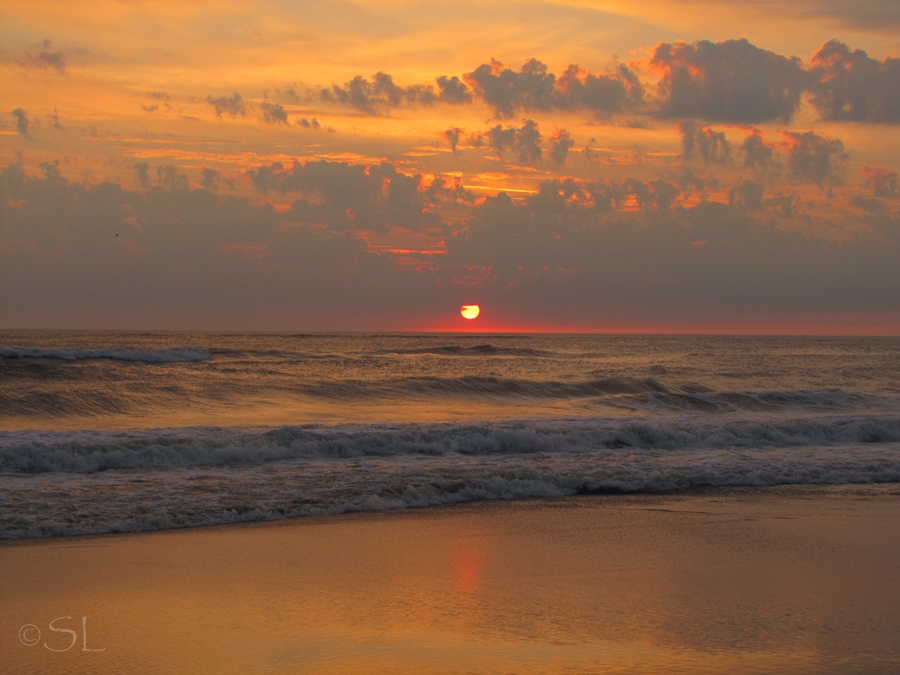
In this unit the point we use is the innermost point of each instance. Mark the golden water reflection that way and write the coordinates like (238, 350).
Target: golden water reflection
(646, 584)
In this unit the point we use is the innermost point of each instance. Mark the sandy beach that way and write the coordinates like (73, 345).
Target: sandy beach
(775, 580)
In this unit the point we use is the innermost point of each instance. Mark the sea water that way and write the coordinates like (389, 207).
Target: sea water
(123, 431)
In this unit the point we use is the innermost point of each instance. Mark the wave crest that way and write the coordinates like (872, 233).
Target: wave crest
(171, 355)
(94, 451)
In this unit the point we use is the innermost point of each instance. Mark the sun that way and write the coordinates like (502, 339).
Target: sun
(470, 311)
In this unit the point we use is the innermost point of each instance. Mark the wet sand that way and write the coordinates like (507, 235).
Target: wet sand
(775, 580)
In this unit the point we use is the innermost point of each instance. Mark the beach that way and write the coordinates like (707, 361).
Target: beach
(785, 579)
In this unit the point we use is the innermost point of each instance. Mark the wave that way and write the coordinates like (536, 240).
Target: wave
(477, 350)
(638, 394)
(703, 399)
(172, 355)
(474, 385)
(379, 468)
(35, 452)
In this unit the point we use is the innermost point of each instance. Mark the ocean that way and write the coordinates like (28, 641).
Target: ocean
(104, 432)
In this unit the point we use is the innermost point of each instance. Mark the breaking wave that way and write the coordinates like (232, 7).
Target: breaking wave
(94, 451)
(92, 482)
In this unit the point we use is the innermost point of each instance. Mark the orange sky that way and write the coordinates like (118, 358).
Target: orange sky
(300, 165)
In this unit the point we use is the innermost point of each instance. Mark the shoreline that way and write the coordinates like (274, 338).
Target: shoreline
(868, 490)
(778, 580)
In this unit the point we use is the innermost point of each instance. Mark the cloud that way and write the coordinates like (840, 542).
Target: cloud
(273, 113)
(23, 126)
(852, 87)
(169, 178)
(210, 179)
(45, 60)
(577, 252)
(560, 144)
(815, 158)
(505, 90)
(354, 197)
(708, 258)
(868, 204)
(452, 135)
(526, 140)
(378, 95)
(616, 90)
(54, 120)
(232, 106)
(758, 153)
(747, 195)
(732, 81)
(535, 89)
(308, 123)
(712, 146)
(142, 173)
(884, 182)
(453, 90)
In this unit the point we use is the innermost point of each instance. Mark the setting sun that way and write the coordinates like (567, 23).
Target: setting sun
(470, 311)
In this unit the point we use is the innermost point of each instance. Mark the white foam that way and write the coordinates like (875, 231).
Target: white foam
(129, 501)
(91, 451)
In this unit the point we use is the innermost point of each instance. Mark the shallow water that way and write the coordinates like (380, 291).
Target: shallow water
(778, 581)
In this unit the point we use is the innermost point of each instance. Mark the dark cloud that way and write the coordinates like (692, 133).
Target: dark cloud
(452, 136)
(23, 126)
(54, 120)
(46, 59)
(453, 90)
(273, 113)
(852, 87)
(308, 123)
(884, 182)
(747, 195)
(150, 108)
(758, 153)
(786, 205)
(560, 144)
(674, 260)
(159, 95)
(507, 91)
(575, 252)
(815, 158)
(210, 179)
(290, 93)
(732, 81)
(347, 196)
(526, 140)
(376, 96)
(501, 139)
(232, 106)
(613, 91)
(535, 89)
(142, 173)
(712, 146)
(169, 178)
(868, 204)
